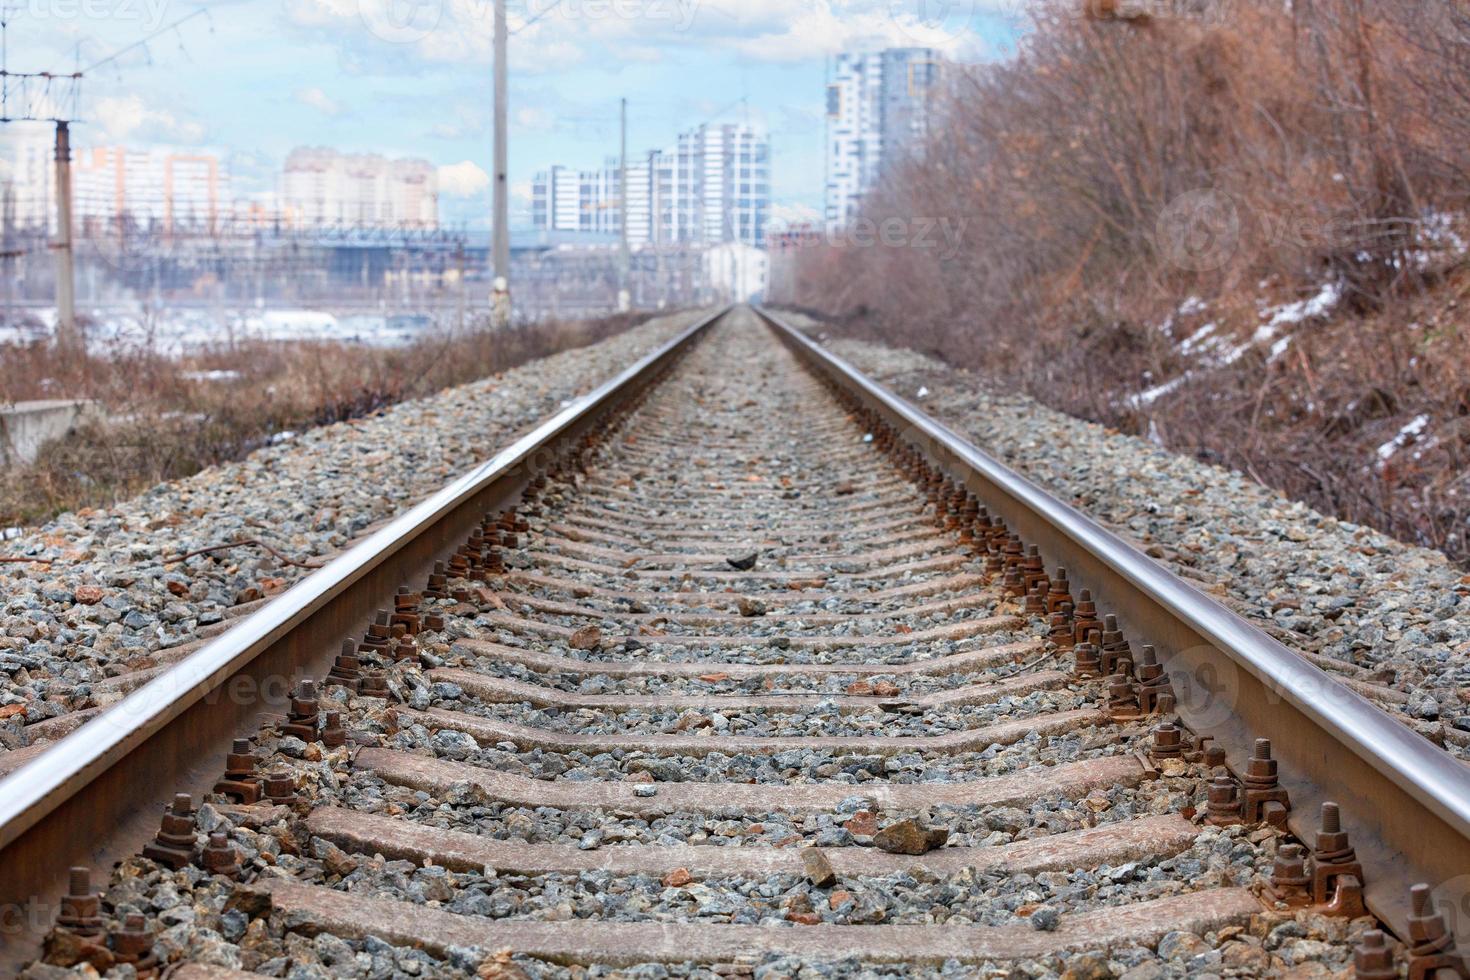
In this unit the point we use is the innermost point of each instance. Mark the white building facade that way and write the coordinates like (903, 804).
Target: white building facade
(879, 111)
(114, 188)
(713, 187)
(325, 188)
(28, 174)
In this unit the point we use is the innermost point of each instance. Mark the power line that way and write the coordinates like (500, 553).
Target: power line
(143, 42)
(555, 4)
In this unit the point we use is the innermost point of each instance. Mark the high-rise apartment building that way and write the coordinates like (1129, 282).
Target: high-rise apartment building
(114, 187)
(879, 109)
(322, 187)
(713, 187)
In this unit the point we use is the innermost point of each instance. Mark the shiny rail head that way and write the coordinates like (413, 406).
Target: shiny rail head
(35, 790)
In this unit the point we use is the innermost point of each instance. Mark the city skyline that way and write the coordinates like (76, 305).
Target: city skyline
(346, 74)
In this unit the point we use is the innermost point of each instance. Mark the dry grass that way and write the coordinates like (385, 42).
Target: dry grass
(163, 426)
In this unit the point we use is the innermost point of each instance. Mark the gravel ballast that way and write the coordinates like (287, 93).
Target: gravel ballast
(109, 602)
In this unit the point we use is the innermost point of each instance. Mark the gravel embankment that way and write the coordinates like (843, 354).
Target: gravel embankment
(1378, 610)
(110, 601)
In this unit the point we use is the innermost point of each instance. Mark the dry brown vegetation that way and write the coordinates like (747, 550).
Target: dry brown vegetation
(161, 425)
(1246, 154)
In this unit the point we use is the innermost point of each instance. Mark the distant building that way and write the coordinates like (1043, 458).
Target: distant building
(712, 188)
(322, 187)
(878, 113)
(737, 272)
(27, 172)
(114, 187)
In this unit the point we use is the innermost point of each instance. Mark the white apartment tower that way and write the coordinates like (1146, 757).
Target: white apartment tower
(713, 187)
(879, 107)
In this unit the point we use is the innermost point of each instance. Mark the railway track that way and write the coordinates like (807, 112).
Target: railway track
(738, 663)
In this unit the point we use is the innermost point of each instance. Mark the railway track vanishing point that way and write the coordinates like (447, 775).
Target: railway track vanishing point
(740, 654)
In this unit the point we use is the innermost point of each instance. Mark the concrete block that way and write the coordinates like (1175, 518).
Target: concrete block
(27, 426)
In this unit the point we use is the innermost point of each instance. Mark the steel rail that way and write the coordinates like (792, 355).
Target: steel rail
(96, 795)
(1405, 802)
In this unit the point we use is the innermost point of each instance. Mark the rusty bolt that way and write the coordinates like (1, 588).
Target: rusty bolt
(280, 787)
(241, 782)
(1265, 798)
(1058, 592)
(1333, 857)
(1168, 742)
(1153, 683)
(1372, 959)
(1014, 586)
(301, 718)
(1084, 617)
(1222, 804)
(133, 943)
(346, 669)
(1086, 661)
(1289, 880)
(81, 908)
(1060, 632)
(174, 845)
(438, 582)
(1115, 648)
(220, 857)
(375, 684)
(1122, 702)
(1033, 571)
(334, 735)
(1431, 944)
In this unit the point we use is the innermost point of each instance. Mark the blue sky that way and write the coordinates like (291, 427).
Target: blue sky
(252, 79)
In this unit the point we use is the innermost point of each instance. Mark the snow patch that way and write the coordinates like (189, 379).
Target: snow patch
(1189, 344)
(1406, 435)
(1151, 395)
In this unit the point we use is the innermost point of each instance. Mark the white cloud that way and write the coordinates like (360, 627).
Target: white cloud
(463, 179)
(129, 117)
(534, 119)
(320, 101)
(825, 29)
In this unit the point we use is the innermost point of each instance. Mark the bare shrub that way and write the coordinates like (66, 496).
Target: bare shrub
(1242, 157)
(161, 425)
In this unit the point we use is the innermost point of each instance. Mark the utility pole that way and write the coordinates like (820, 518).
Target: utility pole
(460, 288)
(8, 251)
(625, 285)
(500, 296)
(66, 314)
